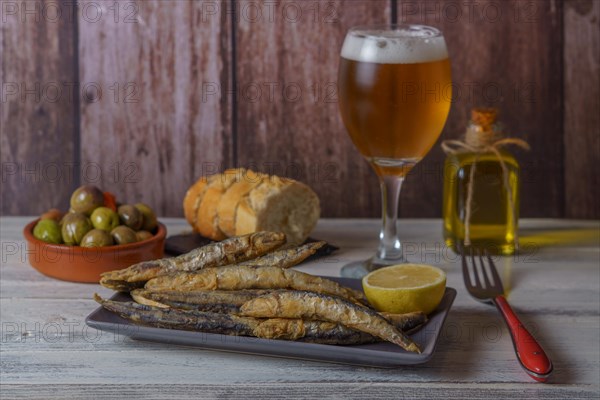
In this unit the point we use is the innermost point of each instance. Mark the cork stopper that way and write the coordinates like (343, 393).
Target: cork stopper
(481, 132)
(486, 117)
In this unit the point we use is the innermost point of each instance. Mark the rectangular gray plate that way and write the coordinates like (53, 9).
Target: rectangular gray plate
(384, 355)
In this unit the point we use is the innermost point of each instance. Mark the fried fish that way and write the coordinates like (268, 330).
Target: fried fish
(318, 306)
(230, 251)
(236, 277)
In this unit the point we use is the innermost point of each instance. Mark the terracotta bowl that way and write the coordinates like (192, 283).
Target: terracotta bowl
(82, 264)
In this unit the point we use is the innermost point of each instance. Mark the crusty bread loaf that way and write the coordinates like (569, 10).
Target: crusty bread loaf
(241, 201)
(192, 200)
(216, 187)
(228, 205)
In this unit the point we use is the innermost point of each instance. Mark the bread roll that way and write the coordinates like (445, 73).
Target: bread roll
(242, 201)
(227, 208)
(207, 211)
(192, 200)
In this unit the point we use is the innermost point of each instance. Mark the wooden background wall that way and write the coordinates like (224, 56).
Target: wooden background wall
(141, 98)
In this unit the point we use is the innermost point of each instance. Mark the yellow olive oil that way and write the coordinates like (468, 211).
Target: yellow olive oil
(493, 219)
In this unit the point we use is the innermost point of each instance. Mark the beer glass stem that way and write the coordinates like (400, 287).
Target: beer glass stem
(390, 248)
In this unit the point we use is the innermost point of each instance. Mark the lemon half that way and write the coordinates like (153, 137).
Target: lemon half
(405, 288)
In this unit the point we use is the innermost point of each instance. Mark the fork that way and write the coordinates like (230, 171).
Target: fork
(489, 289)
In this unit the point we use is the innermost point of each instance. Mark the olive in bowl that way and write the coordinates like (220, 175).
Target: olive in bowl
(143, 235)
(97, 238)
(150, 221)
(53, 213)
(105, 219)
(48, 230)
(84, 264)
(131, 216)
(123, 235)
(86, 199)
(74, 227)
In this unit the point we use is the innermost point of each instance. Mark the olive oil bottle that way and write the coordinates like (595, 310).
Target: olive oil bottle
(481, 188)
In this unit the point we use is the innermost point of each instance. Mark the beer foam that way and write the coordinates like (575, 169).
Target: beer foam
(418, 44)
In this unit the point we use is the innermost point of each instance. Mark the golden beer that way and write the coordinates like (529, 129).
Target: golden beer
(394, 110)
(395, 92)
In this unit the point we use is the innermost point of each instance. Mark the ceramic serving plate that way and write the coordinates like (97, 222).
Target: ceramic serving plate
(385, 355)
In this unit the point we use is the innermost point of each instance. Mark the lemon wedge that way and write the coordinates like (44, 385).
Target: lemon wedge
(405, 288)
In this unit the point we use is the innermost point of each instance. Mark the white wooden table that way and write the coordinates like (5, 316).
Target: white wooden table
(48, 352)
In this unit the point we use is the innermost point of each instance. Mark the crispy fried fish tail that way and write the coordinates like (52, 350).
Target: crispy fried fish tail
(230, 251)
(407, 323)
(309, 305)
(236, 277)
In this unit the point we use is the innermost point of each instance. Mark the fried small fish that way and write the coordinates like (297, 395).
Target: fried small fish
(219, 301)
(230, 301)
(318, 306)
(285, 258)
(180, 319)
(236, 277)
(230, 251)
(271, 328)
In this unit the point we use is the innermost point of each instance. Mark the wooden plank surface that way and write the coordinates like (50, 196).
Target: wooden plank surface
(157, 126)
(505, 54)
(582, 108)
(38, 122)
(317, 391)
(555, 287)
(166, 71)
(90, 357)
(164, 116)
(287, 115)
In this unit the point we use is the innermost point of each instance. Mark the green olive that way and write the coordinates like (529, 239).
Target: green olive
(64, 217)
(74, 228)
(150, 222)
(97, 238)
(104, 218)
(143, 235)
(123, 234)
(86, 199)
(48, 231)
(131, 216)
(53, 213)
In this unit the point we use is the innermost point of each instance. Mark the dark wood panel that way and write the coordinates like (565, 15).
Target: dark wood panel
(37, 119)
(161, 121)
(505, 54)
(165, 70)
(287, 113)
(582, 108)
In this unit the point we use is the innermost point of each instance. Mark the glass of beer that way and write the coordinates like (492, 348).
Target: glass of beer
(395, 91)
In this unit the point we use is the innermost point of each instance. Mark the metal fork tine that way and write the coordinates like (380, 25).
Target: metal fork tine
(484, 272)
(497, 280)
(475, 272)
(465, 268)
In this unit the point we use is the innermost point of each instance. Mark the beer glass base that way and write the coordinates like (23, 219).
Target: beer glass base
(358, 269)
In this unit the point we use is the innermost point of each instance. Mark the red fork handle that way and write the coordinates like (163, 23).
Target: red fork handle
(530, 354)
